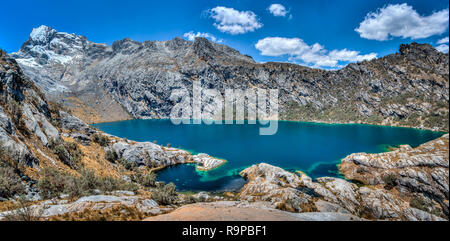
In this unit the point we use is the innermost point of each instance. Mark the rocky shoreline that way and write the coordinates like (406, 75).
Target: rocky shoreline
(285, 195)
(295, 196)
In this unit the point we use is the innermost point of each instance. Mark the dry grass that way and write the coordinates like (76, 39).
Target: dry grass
(116, 213)
(84, 112)
(94, 158)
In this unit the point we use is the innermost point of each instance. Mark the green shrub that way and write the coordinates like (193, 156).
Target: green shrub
(100, 139)
(68, 152)
(424, 205)
(419, 203)
(111, 156)
(89, 181)
(52, 183)
(109, 184)
(129, 165)
(390, 181)
(360, 170)
(10, 182)
(146, 180)
(73, 187)
(16, 110)
(188, 199)
(165, 195)
(149, 180)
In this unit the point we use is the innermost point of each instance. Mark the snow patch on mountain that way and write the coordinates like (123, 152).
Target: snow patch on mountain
(42, 33)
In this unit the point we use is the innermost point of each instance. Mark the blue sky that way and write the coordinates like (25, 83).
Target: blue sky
(315, 33)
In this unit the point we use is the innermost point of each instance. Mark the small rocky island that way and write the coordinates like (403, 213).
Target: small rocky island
(205, 162)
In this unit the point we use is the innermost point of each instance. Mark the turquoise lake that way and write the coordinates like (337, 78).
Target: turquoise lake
(313, 148)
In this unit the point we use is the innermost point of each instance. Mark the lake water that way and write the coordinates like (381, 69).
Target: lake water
(313, 148)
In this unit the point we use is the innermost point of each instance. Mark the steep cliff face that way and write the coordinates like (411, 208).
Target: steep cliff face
(409, 88)
(26, 117)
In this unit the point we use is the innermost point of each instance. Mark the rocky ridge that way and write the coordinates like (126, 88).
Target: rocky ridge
(298, 193)
(409, 88)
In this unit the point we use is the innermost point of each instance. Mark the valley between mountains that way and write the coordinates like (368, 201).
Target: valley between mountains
(54, 166)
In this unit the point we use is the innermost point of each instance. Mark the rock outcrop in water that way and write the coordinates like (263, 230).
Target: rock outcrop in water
(152, 155)
(409, 88)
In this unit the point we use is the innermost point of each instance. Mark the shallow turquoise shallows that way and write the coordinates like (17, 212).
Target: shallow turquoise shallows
(310, 147)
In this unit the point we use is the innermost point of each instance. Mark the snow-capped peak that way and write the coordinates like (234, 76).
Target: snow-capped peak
(46, 46)
(42, 34)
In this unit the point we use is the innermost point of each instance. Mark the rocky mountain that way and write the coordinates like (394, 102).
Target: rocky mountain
(73, 172)
(408, 88)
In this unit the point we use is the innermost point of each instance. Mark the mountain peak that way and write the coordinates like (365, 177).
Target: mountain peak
(42, 34)
(46, 45)
(417, 49)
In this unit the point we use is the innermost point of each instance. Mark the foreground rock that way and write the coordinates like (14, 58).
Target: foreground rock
(297, 192)
(420, 173)
(49, 209)
(243, 211)
(270, 183)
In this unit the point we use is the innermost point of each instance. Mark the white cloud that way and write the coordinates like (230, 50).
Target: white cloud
(315, 55)
(349, 55)
(232, 21)
(443, 41)
(443, 45)
(443, 48)
(276, 46)
(192, 35)
(401, 20)
(277, 10)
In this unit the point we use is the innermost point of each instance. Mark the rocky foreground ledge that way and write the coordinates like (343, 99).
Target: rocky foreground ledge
(245, 211)
(420, 175)
(405, 184)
